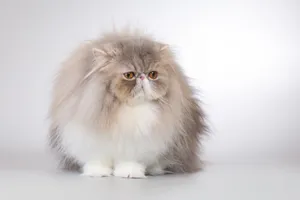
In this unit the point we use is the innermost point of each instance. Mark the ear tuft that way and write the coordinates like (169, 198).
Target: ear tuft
(164, 47)
(98, 52)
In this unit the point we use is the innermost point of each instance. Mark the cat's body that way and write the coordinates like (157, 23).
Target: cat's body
(122, 106)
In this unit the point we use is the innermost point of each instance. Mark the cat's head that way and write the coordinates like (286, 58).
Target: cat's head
(135, 69)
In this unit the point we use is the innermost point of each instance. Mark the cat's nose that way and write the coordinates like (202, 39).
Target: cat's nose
(142, 77)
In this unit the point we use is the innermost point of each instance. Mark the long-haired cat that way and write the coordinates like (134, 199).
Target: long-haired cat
(122, 106)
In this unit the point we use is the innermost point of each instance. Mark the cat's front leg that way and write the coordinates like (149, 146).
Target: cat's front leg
(97, 169)
(129, 170)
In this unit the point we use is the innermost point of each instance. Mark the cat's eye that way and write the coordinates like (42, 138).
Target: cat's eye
(153, 75)
(129, 75)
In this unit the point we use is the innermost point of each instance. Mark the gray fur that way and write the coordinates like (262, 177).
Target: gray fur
(141, 54)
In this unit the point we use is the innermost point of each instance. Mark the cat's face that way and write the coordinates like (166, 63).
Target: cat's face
(137, 71)
(139, 81)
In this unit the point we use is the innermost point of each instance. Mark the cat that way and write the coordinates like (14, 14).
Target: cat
(122, 106)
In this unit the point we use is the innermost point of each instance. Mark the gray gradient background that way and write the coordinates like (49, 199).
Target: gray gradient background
(243, 55)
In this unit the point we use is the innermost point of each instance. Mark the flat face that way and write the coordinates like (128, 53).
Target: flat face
(138, 70)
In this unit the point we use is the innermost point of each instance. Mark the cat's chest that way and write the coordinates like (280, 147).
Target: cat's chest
(138, 119)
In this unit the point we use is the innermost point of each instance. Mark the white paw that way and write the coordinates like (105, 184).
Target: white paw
(130, 170)
(155, 171)
(96, 169)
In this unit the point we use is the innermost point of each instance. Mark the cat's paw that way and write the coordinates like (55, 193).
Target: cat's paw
(96, 169)
(130, 170)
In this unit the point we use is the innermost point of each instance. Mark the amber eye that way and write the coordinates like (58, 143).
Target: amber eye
(153, 75)
(129, 75)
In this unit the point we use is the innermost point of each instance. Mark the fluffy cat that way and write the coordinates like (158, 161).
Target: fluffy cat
(122, 106)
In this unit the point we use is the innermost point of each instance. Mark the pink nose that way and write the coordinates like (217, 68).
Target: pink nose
(142, 77)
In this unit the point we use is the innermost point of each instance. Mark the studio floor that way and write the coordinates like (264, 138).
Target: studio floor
(32, 176)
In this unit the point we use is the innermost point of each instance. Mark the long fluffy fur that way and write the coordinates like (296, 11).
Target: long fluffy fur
(84, 93)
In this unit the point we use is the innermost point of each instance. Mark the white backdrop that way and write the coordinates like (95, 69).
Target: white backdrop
(243, 55)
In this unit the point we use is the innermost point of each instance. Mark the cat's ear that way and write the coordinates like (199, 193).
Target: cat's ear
(101, 57)
(106, 51)
(99, 53)
(163, 47)
(166, 55)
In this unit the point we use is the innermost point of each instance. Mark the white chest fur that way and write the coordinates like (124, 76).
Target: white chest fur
(134, 137)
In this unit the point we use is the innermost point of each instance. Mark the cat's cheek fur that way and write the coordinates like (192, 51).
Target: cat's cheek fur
(129, 149)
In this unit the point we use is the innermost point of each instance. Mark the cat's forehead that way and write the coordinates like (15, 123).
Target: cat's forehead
(139, 56)
(135, 66)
